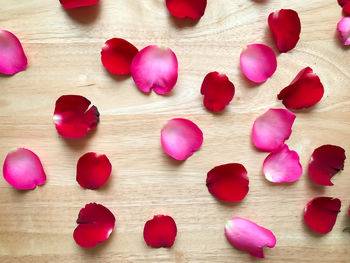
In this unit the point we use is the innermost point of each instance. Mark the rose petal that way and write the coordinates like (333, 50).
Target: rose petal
(228, 182)
(23, 169)
(321, 213)
(160, 231)
(271, 129)
(258, 62)
(117, 55)
(155, 68)
(193, 9)
(326, 161)
(282, 166)
(247, 236)
(218, 91)
(12, 57)
(285, 27)
(180, 138)
(74, 116)
(303, 92)
(346, 9)
(93, 170)
(96, 223)
(77, 3)
(344, 30)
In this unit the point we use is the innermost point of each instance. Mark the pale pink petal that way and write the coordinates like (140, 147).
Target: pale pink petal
(344, 30)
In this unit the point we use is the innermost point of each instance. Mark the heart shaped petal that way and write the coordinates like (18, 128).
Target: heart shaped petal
(344, 30)
(77, 3)
(160, 231)
(193, 9)
(247, 236)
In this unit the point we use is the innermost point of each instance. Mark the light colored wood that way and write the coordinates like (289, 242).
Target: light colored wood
(63, 50)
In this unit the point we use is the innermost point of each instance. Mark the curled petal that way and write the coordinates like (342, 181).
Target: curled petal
(271, 129)
(23, 169)
(180, 138)
(117, 55)
(303, 92)
(12, 57)
(258, 62)
(285, 27)
(321, 213)
(344, 30)
(95, 225)
(74, 116)
(77, 3)
(326, 161)
(247, 236)
(282, 166)
(228, 182)
(93, 170)
(160, 231)
(218, 91)
(155, 68)
(193, 9)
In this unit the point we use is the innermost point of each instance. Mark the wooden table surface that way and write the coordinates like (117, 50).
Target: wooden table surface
(63, 49)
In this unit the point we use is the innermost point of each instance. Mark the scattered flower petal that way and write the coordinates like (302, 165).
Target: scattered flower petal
(74, 116)
(93, 170)
(228, 182)
(285, 27)
(258, 62)
(218, 91)
(160, 231)
(303, 92)
(180, 138)
(247, 236)
(321, 213)
(12, 57)
(282, 166)
(344, 30)
(155, 68)
(345, 4)
(23, 169)
(326, 161)
(96, 224)
(193, 9)
(77, 3)
(271, 129)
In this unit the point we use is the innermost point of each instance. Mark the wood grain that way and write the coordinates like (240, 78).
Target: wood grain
(63, 49)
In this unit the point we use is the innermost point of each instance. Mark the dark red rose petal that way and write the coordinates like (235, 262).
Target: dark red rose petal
(285, 27)
(228, 182)
(74, 116)
(77, 3)
(187, 8)
(117, 55)
(96, 223)
(303, 92)
(218, 91)
(326, 161)
(160, 231)
(321, 213)
(93, 170)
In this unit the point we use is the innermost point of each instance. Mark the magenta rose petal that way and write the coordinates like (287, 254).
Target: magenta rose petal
(248, 236)
(344, 30)
(193, 9)
(77, 3)
(160, 231)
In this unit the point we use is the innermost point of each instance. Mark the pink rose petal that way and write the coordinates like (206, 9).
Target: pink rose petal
(344, 30)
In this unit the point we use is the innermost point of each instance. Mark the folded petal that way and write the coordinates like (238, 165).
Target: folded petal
(180, 138)
(321, 213)
(77, 3)
(247, 236)
(155, 68)
(193, 9)
(218, 91)
(344, 30)
(228, 182)
(160, 231)
(74, 116)
(271, 129)
(23, 169)
(258, 62)
(285, 27)
(95, 225)
(12, 57)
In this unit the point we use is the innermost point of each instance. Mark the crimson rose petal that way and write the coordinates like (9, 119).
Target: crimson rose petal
(93, 170)
(193, 9)
(344, 30)
(228, 182)
(218, 91)
(326, 161)
(77, 3)
(74, 116)
(96, 223)
(160, 231)
(321, 213)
